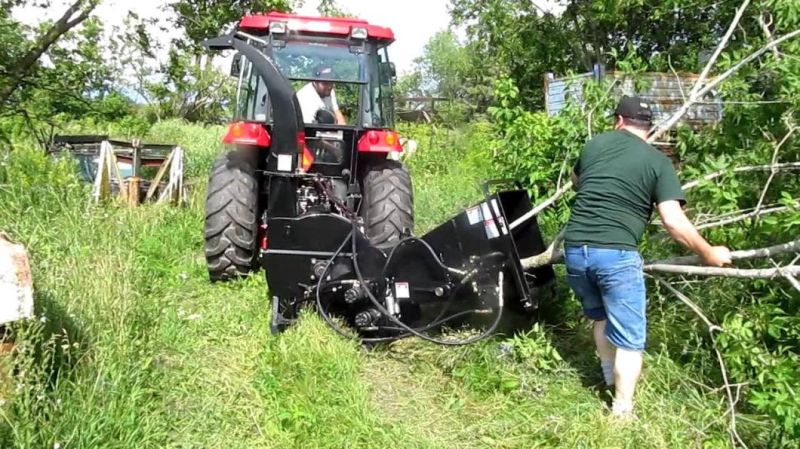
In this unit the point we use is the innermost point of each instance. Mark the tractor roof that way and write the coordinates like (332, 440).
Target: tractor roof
(335, 26)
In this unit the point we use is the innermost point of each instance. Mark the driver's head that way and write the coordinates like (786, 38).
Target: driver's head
(325, 84)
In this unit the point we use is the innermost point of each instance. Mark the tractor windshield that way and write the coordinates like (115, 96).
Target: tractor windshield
(361, 86)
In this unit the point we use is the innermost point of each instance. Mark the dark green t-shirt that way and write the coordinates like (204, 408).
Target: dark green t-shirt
(620, 178)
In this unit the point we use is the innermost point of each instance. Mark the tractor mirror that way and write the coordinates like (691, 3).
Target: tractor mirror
(236, 65)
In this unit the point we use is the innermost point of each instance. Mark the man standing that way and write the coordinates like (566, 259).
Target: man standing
(318, 95)
(619, 178)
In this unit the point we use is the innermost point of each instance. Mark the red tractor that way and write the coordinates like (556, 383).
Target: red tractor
(311, 193)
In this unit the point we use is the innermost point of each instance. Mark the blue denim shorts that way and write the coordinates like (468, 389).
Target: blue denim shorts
(610, 285)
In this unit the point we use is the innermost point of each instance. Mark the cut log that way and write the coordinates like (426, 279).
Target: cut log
(16, 284)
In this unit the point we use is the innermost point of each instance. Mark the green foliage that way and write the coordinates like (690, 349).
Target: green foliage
(524, 41)
(447, 169)
(201, 20)
(137, 349)
(759, 344)
(452, 70)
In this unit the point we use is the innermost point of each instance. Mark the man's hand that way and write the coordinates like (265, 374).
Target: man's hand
(682, 230)
(717, 256)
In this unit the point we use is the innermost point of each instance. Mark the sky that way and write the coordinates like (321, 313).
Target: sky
(414, 22)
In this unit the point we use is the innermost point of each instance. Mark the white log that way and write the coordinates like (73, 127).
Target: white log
(16, 284)
(759, 253)
(756, 273)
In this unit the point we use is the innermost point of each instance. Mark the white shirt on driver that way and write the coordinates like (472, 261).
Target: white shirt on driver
(311, 102)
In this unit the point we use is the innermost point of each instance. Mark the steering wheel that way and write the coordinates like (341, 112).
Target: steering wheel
(324, 117)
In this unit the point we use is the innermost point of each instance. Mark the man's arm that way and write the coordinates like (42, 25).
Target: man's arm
(340, 120)
(681, 229)
(574, 179)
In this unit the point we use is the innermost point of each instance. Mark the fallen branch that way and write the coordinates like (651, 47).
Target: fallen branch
(788, 276)
(703, 218)
(552, 255)
(695, 94)
(738, 218)
(779, 167)
(726, 383)
(717, 51)
(544, 205)
(792, 280)
(773, 171)
(767, 32)
(785, 248)
(755, 273)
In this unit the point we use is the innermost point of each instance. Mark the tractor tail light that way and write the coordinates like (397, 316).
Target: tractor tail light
(263, 231)
(247, 133)
(306, 157)
(379, 141)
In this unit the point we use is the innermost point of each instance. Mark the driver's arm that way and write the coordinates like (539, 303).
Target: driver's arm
(340, 120)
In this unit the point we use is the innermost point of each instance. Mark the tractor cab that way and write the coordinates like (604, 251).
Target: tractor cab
(309, 192)
(340, 72)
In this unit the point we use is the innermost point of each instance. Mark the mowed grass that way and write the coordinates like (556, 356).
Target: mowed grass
(133, 348)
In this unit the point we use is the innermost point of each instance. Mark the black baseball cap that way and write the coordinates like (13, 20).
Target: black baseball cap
(324, 72)
(634, 108)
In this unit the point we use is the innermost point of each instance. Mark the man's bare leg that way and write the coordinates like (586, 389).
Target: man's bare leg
(605, 350)
(627, 368)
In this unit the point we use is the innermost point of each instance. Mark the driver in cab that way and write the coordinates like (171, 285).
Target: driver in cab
(319, 95)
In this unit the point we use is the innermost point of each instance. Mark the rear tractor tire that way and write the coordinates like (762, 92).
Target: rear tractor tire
(388, 203)
(231, 224)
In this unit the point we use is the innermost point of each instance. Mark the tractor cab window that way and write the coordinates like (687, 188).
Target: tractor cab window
(358, 83)
(252, 101)
(325, 75)
(379, 92)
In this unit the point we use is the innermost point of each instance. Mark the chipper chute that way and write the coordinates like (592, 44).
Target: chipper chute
(329, 216)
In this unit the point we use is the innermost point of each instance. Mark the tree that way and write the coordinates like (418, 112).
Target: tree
(452, 70)
(202, 19)
(743, 191)
(22, 61)
(527, 42)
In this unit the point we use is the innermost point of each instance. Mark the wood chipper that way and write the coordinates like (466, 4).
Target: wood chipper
(323, 208)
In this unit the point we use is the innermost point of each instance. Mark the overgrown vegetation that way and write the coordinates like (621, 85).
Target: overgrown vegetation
(132, 347)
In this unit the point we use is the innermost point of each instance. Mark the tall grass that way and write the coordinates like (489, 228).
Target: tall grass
(133, 348)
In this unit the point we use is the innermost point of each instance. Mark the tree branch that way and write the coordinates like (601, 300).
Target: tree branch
(773, 171)
(767, 32)
(696, 93)
(757, 273)
(784, 248)
(544, 205)
(711, 329)
(24, 65)
(738, 218)
(779, 167)
(553, 254)
(722, 44)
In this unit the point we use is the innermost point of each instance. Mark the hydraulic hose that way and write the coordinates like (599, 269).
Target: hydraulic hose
(409, 331)
(341, 332)
(393, 319)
